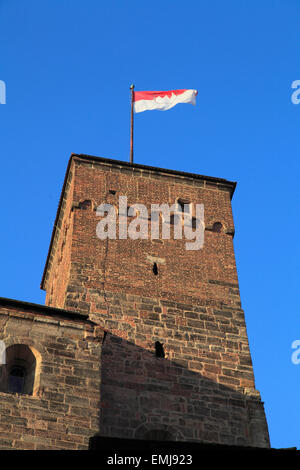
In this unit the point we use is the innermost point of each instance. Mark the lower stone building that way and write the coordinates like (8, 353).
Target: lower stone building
(50, 382)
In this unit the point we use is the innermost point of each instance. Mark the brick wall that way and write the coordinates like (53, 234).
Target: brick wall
(126, 265)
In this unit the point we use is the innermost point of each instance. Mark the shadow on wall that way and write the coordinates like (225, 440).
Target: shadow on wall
(144, 396)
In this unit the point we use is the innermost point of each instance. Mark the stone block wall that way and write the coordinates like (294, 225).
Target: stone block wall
(63, 409)
(202, 390)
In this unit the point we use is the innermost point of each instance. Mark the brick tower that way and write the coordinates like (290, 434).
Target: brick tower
(175, 363)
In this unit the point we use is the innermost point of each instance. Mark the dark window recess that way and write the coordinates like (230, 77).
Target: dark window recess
(19, 372)
(194, 223)
(85, 204)
(174, 219)
(112, 191)
(155, 269)
(159, 349)
(217, 227)
(16, 380)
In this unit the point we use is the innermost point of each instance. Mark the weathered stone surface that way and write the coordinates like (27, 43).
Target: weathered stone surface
(201, 389)
(33, 421)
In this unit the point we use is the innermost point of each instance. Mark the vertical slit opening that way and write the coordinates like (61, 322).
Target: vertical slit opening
(155, 269)
(159, 349)
(104, 336)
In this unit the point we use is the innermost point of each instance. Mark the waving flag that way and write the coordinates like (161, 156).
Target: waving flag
(161, 100)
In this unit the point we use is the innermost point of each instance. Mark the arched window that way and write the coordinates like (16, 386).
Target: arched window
(20, 374)
(217, 227)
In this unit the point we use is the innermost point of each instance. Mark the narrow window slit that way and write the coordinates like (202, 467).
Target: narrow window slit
(159, 349)
(104, 336)
(155, 269)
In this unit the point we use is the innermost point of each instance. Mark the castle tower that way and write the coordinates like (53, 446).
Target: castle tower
(176, 363)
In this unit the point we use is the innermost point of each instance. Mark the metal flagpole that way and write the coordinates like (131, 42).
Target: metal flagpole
(131, 124)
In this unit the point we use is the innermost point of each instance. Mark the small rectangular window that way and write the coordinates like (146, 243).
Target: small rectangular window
(183, 205)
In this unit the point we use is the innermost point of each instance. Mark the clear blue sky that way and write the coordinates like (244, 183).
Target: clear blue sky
(68, 66)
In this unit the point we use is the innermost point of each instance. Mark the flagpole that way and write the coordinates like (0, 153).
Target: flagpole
(131, 124)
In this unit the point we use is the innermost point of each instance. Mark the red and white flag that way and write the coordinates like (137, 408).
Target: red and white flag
(161, 100)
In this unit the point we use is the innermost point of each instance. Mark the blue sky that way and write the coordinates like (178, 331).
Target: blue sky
(68, 66)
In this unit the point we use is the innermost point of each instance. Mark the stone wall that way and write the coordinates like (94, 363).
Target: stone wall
(63, 410)
(202, 390)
